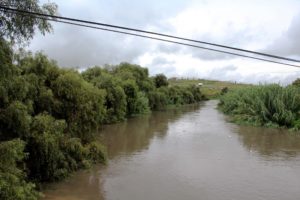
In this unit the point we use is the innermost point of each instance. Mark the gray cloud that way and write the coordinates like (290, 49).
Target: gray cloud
(223, 73)
(169, 48)
(82, 47)
(139, 14)
(161, 61)
(161, 65)
(288, 44)
(77, 47)
(233, 37)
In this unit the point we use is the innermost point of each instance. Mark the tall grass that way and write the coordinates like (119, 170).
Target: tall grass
(264, 105)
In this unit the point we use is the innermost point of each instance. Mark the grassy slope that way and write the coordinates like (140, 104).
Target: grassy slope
(210, 88)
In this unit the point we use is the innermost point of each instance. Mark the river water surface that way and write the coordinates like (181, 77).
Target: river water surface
(189, 154)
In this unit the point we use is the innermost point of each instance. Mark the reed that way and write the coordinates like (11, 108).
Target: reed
(264, 105)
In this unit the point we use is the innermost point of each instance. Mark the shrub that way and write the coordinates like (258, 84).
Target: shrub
(160, 80)
(263, 105)
(12, 179)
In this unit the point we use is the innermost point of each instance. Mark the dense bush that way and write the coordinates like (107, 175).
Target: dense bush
(12, 178)
(43, 110)
(81, 104)
(157, 100)
(296, 82)
(265, 105)
(115, 100)
(160, 80)
(49, 115)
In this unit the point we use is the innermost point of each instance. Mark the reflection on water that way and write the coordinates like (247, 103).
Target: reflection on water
(121, 139)
(136, 134)
(270, 142)
(191, 153)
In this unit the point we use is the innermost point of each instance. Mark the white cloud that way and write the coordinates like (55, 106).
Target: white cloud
(254, 25)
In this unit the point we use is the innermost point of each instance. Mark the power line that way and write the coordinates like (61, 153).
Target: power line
(148, 32)
(170, 41)
(41, 16)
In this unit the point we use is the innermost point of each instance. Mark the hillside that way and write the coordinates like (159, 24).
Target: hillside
(210, 88)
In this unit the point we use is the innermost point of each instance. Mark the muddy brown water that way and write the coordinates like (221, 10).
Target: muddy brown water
(190, 153)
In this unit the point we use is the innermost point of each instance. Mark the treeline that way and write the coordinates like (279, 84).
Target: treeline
(264, 105)
(48, 115)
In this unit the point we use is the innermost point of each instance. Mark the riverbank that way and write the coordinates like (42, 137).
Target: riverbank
(264, 105)
(191, 152)
(49, 114)
(212, 89)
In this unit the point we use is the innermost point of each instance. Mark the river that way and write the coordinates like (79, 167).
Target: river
(189, 153)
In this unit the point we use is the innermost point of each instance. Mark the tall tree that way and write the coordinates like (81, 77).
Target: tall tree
(20, 28)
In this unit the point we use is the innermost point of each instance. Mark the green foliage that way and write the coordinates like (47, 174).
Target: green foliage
(188, 97)
(129, 71)
(115, 99)
(265, 105)
(81, 104)
(224, 90)
(49, 116)
(296, 82)
(157, 100)
(43, 148)
(160, 80)
(142, 103)
(50, 149)
(12, 178)
(131, 90)
(34, 94)
(96, 152)
(175, 95)
(210, 89)
(5, 56)
(196, 92)
(15, 121)
(19, 28)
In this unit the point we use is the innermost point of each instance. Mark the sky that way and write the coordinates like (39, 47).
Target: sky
(265, 26)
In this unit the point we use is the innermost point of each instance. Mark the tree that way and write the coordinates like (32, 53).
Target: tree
(20, 28)
(131, 90)
(160, 80)
(81, 104)
(296, 82)
(12, 184)
(115, 100)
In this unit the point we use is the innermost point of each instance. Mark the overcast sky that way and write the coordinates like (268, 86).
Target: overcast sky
(265, 26)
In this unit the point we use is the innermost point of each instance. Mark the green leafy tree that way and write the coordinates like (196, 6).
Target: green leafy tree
(296, 82)
(160, 80)
(131, 90)
(157, 100)
(129, 71)
(82, 104)
(175, 95)
(142, 103)
(53, 155)
(45, 156)
(20, 28)
(12, 178)
(115, 100)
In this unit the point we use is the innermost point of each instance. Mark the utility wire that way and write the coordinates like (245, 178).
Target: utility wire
(148, 32)
(154, 38)
(169, 41)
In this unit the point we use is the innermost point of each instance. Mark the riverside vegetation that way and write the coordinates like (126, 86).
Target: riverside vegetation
(264, 105)
(48, 115)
